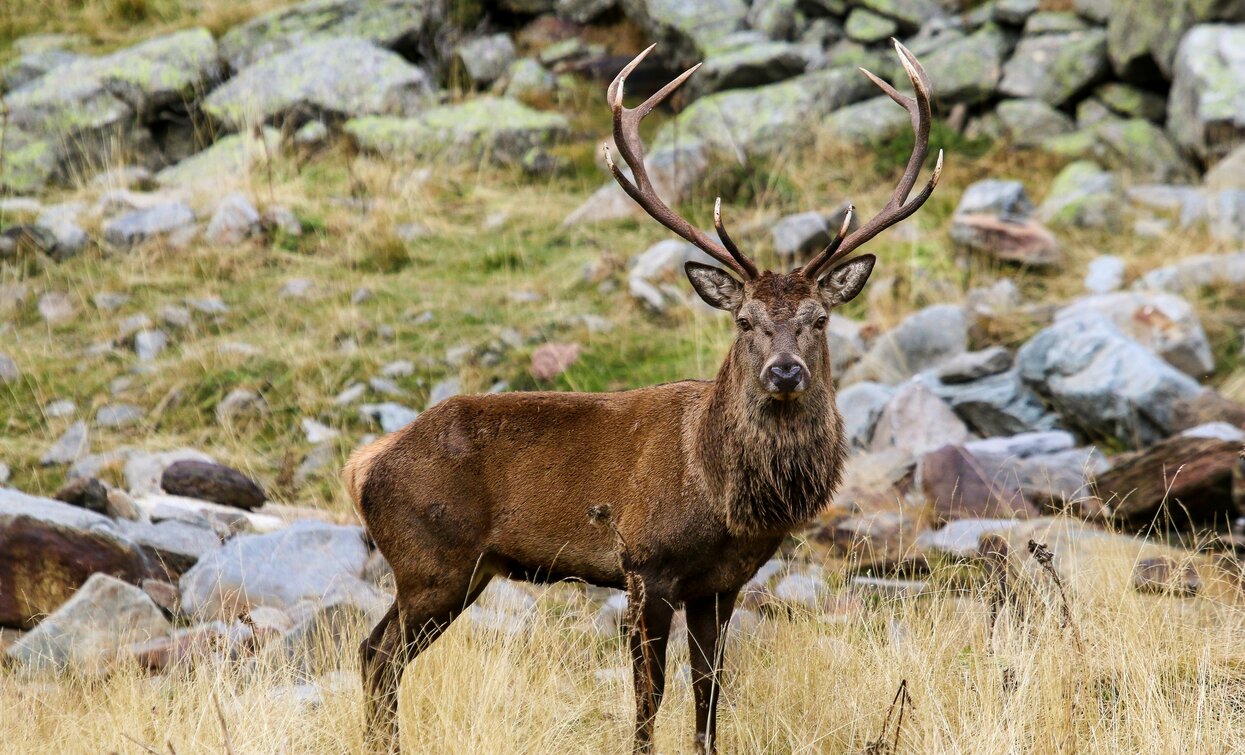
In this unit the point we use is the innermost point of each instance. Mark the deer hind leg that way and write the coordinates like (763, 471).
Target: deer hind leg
(648, 658)
(707, 619)
(406, 630)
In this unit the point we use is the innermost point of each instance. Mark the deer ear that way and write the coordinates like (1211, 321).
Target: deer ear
(715, 286)
(841, 284)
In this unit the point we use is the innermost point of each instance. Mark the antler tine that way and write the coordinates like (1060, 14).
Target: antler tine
(640, 187)
(825, 254)
(748, 265)
(899, 206)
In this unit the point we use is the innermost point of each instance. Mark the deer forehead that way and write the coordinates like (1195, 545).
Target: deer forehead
(782, 296)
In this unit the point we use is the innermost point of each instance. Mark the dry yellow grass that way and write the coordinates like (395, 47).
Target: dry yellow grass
(1156, 675)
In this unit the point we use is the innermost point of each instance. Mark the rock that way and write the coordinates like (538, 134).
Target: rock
(1227, 173)
(1189, 201)
(916, 421)
(806, 592)
(1163, 323)
(55, 307)
(1216, 430)
(397, 24)
(239, 404)
(26, 68)
(843, 337)
(919, 342)
(139, 226)
(495, 127)
(86, 634)
(316, 460)
(1103, 381)
(212, 482)
(1196, 272)
(1104, 274)
(1177, 481)
(973, 365)
(174, 545)
(1032, 123)
(1022, 445)
(1207, 406)
(302, 562)
(800, 235)
(1131, 102)
(550, 360)
(389, 415)
(911, 14)
(1204, 115)
(230, 156)
(118, 415)
(1136, 145)
(958, 486)
(143, 471)
(1162, 575)
(527, 79)
(164, 595)
(582, 11)
(336, 79)
(61, 222)
(869, 122)
(1024, 242)
(484, 60)
(69, 447)
(889, 589)
(317, 432)
(1053, 22)
(234, 220)
(686, 32)
(969, 69)
(992, 196)
(861, 405)
(9, 371)
(1056, 68)
(1014, 12)
(750, 65)
(998, 404)
(1227, 215)
(867, 27)
(1143, 36)
(443, 390)
(959, 538)
(50, 549)
(1083, 196)
(148, 344)
(84, 492)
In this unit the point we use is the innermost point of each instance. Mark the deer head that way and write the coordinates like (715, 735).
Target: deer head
(780, 317)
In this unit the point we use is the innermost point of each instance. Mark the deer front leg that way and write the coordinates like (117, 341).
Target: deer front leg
(648, 657)
(707, 619)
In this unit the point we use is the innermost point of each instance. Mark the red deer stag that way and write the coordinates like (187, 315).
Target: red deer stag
(700, 480)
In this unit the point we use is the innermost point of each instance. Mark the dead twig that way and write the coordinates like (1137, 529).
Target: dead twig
(224, 727)
(901, 702)
(144, 746)
(1046, 559)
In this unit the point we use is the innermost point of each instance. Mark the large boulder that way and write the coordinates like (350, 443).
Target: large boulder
(50, 548)
(750, 65)
(1206, 107)
(229, 157)
(1103, 381)
(923, 340)
(88, 632)
(1143, 35)
(396, 24)
(328, 79)
(1032, 123)
(1180, 479)
(1056, 68)
(1135, 145)
(485, 59)
(1163, 323)
(303, 562)
(915, 421)
(861, 405)
(959, 486)
(488, 127)
(686, 31)
(994, 404)
(875, 120)
(174, 545)
(1191, 273)
(968, 69)
(1083, 195)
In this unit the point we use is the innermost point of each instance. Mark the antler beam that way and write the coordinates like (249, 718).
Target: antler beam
(627, 138)
(899, 207)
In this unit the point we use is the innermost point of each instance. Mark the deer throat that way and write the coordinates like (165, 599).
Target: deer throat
(772, 465)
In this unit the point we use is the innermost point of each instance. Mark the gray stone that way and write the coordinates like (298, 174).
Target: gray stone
(776, 19)
(911, 14)
(1131, 102)
(1162, 322)
(148, 344)
(861, 405)
(797, 236)
(156, 221)
(1014, 12)
(1053, 22)
(1190, 203)
(582, 11)
(1206, 106)
(843, 337)
(9, 371)
(915, 421)
(1025, 242)
(338, 79)
(923, 340)
(1005, 198)
(973, 365)
(240, 403)
(1083, 195)
(1103, 381)
(69, 447)
(1056, 68)
(1143, 35)
(59, 408)
(867, 27)
(1098, 11)
(389, 415)
(868, 122)
(1227, 173)
(750, 66)
(303, 562)
(30, 66)
(444, 389)
(229, 157)
(118, 415)
(495, 127)
(1216, 430)
(685, 32)
(1023, 445)
(1104, 274)
(86, 634)
(234, 220)
(55, 307)
(485, 59)
(174, 544)
(1196, 272)
(996, 404)
(1031, 123)
(526, 79)
(959, 538)
(1227, 215)
(388, 23)
(61, 221)
(1136, 146)
(143, 471)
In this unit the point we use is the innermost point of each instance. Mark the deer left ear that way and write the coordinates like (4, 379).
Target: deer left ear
(843, 283)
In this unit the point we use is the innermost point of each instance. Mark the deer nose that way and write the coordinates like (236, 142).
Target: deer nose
(786, 376)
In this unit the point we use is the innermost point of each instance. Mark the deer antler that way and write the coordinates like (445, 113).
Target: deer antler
(627, 138)
(898, 208)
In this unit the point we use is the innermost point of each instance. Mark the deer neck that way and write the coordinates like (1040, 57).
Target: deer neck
(771, 465)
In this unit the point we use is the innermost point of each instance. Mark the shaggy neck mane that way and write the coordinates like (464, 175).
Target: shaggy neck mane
(773, 464)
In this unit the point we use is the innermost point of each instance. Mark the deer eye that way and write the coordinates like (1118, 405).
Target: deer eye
(821, 323)
(743, 324)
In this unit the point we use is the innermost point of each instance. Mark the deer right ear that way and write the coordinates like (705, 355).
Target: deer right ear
(715, 286)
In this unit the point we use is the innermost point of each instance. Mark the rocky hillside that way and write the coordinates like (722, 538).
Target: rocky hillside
(230, 256)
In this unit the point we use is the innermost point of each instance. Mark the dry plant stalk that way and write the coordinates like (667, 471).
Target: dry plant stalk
(1046, 558)
(902, 701)
(224, 727)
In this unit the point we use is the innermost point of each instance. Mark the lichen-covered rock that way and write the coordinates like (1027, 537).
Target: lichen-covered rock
(685, 31)
(968, 70)
(867, 27)
(1132, 102)
(146, 224)
(493, 127)
(1054, 22)
(1143, 35)
(396, 24)
(911, 14)
(1206, 106)
(872, 121)
(915, 422)
(995, 404)
(1056, 68)
(230, 157)
(750, 65)
(861, 405)
(234, 220)
(1031, 123)
(994, 196)
(333, 79)
(30, 66)
(527, 79)
(484, 59)
(1104, 382)
(50, 548)
(1083, 195)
